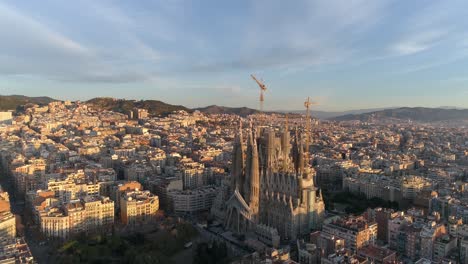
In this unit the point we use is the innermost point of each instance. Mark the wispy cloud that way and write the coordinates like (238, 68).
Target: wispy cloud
(306, 34)
(16, 25)
(418, 43)
(312, 34)
(31, 47)
(431, 25)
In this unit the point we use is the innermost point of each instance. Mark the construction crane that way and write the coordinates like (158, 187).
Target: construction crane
(308, 104)
(263, 88)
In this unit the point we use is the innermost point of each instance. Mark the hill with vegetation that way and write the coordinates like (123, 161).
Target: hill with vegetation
(15, 102)
(420, 114)
(154, 107)
(215, 109)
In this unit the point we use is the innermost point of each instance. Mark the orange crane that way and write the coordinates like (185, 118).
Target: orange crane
(263, 88)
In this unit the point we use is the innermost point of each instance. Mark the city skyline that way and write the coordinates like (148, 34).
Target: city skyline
(250, 131)
(352, 55)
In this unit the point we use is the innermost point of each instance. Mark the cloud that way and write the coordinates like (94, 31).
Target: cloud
(300, 36)
(103, 77)
(449, 59)
(30, 47)
(430, 25)
(19, 30)
(418, 43)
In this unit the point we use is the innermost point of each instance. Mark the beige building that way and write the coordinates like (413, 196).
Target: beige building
(357, 232)
(71, 187)
(6, 117)
(197, 200)
(55, 223)
(27, 177)
(91, 214)
(99, 213)
(412, 185)
(139, 113)
(138, 206)
(7, 225)
(118, 190)
(7, 219)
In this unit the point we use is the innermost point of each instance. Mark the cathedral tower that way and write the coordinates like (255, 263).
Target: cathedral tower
(252, 182)
(237, 168)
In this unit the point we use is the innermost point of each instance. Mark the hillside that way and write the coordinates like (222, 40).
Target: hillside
(14, 102)
(331, 114)
(215, 109)
(154, 107)
(420, 114)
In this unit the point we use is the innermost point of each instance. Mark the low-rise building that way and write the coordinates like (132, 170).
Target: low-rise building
(308, 253)
(268, 235)
(377, 255)
(443, 246)
(16, 252)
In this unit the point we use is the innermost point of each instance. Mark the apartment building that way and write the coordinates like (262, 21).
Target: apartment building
(190, 201)
(90, 214)
(138, 206)
(356, 231)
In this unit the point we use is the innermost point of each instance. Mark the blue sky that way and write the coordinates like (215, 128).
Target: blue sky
(344, 54)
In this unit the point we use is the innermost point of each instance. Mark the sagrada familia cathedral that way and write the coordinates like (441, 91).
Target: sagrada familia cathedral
(271, 184)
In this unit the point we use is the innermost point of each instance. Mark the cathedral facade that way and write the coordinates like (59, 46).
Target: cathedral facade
(271, 183)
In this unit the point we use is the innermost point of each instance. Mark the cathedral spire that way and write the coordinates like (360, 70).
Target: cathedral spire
(237, 169)
(308, 132)
(254, 178)
(252, 172)
(298, 154)
(285, 145)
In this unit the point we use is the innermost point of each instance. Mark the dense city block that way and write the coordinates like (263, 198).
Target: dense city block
(84, 184)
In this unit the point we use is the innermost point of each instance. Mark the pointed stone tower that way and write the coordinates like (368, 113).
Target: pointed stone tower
(285, 145)
(237, 169)
(298, 154)
(254, 178)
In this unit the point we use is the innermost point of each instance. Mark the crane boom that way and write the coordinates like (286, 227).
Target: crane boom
(260, 84)
(262, 90)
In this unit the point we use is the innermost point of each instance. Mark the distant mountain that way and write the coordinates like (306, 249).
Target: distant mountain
(331, 114)
(452, 107)
(215, 109)
(154, 107)
(421, 114)
(14, 102)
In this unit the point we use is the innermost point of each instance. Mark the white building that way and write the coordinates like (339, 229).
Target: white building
(189, 201)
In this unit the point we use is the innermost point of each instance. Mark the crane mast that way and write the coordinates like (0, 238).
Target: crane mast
(263, 88)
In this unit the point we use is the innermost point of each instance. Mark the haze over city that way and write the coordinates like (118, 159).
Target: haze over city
(345, 54)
